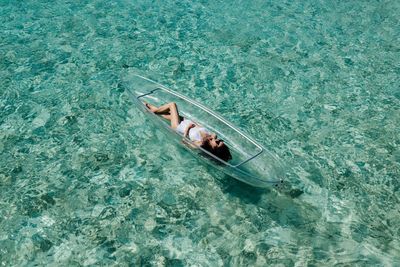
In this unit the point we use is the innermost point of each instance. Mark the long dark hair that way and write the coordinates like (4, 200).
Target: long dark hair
(221, 152)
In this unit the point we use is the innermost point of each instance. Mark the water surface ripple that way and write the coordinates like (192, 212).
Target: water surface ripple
(86, 180)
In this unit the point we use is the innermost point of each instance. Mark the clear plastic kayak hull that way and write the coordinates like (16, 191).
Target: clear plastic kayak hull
(251, 163)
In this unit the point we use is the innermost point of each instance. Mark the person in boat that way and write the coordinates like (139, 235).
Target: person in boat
(199, 135)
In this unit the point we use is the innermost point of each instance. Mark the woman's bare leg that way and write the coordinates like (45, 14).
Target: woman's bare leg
(168, 111)
(173, 111)
(154, 108)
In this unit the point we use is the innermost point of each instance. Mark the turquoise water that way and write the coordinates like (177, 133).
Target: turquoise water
(86, 180)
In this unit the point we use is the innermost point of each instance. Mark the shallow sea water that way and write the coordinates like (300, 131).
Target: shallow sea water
(86, 180)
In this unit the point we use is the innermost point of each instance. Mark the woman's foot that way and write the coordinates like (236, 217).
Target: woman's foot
(150, 107)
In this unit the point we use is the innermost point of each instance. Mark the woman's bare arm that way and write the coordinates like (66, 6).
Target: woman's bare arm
(190, 126)
(194, 144)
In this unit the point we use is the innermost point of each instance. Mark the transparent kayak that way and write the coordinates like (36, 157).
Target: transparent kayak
(250, 163)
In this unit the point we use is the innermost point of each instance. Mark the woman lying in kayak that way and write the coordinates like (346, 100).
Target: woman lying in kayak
(199, 135)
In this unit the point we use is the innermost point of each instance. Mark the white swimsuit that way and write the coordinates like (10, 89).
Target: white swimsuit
(194, 133)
